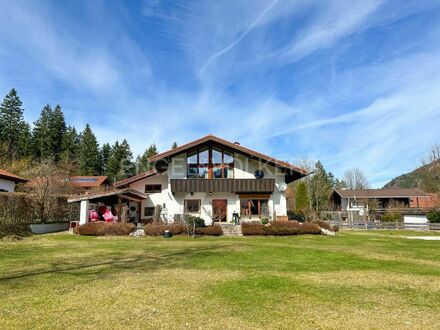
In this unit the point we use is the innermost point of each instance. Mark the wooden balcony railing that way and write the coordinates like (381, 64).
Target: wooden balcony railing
(223, 185)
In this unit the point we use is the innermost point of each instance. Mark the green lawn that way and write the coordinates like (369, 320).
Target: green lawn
(362, 280)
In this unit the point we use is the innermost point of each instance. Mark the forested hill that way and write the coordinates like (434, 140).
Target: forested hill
(412, 179)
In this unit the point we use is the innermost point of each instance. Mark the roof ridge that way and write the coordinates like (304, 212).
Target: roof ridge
(232, 145)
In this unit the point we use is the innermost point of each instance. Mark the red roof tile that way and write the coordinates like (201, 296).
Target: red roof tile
(87, 181)
(12, 177)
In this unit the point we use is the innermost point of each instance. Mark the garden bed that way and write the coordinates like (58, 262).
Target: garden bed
(280, 228)
(180, 228)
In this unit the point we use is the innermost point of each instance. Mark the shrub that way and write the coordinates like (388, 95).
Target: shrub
(434, 216)
(297, 216)
(192, 220)
(214, 230)
(280, 228)
(324, 224)
(105, 229)
(391, 217)
(21, 230)
(252, 228)
(21, 208)
(264, 221)
(155, 229)
(179, 228)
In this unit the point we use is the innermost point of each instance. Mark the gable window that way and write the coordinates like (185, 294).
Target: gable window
(153, 188)
(192, 205)
(210, 163)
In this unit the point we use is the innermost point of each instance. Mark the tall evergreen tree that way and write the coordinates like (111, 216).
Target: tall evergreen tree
(24, 141)
(89, 158)
(11, 123)
(142, 164)
(301, 196)
(57, 130)
(120, 164)
(70, 145)
(105, 157)
(41, 138)
(321, 188)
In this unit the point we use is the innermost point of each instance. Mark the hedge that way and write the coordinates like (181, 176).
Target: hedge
(179, 228)
(280, 228)
(20, 208)
(21, 230)
(105, 229)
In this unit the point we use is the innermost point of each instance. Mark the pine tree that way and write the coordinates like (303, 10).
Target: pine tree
(120, 164)
(70, 146)
(89, 158)
(41, 140)
(301, 196)
(57, 130)
(11, 123)
(105, 156)
(142, 164)
(24, 141)
(321, 188)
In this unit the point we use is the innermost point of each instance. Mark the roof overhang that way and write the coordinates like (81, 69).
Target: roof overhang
(126, 193)
(135, 178)
(14, 178)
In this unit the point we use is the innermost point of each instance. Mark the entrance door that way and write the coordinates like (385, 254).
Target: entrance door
(219, 210)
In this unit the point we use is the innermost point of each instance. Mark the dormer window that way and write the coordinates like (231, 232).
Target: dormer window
(210, 163)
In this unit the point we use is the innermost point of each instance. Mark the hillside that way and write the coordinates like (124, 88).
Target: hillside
(409, 180)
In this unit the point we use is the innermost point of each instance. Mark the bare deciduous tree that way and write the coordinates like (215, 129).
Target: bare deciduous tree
(355, 179)
(430, 171)
(48, 183)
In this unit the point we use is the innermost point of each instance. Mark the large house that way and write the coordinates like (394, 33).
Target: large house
(9, 180)
(211, 178)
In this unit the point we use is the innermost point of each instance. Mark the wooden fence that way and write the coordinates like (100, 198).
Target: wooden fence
(366, 225)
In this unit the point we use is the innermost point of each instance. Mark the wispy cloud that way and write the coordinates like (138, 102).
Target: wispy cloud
(242, 35)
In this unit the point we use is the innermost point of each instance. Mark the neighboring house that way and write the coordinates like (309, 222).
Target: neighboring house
(8, 181)
(84, 183)
(357, 199)
(213, 178)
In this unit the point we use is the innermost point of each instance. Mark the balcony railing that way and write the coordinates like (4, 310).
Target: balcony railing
(223, 185)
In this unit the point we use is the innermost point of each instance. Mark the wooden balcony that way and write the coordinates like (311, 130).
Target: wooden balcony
(223, 185)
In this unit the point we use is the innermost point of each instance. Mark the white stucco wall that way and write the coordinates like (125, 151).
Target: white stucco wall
(7, 185)
(244, 168)
(174, 203)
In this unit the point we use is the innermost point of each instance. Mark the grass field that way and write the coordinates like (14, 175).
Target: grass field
(362, 280)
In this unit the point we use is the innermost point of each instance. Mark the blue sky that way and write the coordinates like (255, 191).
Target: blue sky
(352, 83)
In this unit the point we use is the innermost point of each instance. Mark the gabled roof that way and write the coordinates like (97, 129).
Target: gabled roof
(234, 146)
(11, 177)
(381, 193)
(135, 178)
(87, 181)
(127, 193)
